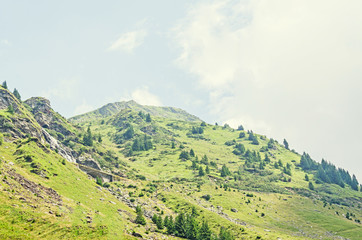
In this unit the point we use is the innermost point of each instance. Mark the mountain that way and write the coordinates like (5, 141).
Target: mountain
(125, 170)
(113, 108)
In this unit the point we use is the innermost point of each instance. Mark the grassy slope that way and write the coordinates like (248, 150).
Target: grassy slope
(286, 214)
(80, 197)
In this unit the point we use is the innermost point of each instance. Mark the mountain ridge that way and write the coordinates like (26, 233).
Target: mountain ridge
(113, 108)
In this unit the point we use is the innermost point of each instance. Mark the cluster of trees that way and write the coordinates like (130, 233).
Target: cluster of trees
(239, 149)
(197, 130)
(144, 116)
(328, 173)
(307, 163)
(225, 171)
(140, 219)
(241, 134)
(201, 170)
(240, 128)
(188, 226)
(15, 92)
(142, 143)
(271, 144)
(253, 138)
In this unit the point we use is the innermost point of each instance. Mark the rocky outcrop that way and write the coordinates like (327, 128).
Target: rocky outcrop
(22, 124)
(89, 162)
(6, 99)
(18, 124)
(46, 117)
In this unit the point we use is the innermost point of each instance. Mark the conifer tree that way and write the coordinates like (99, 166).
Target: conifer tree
(192, 153)
(140, 219)
(148, 118)
(201, 171)
(306, 177)
(205, 232)
(170, 225)
(286, 144)
(240, 127)
(88, 138)
(207, 170)
(5, 85)
(17, 94)
(159, 222)
(192, 228)
(180, 225)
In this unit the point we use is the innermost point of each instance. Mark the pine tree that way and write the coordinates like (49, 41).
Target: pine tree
(148, 118)
(129, 132)
(207, 170)
(205, 232)
(205, 160)
(5, 85)
(306, 177)
(192, 153)
(173, 145)
(255, 141)
(266, 159)
(286, 144)
(192, 228)
(225, 235)
(170, 225)
(180, 225)
(154, 218)
(240, 128)
(88, 138)
(225, 171)
(201, 171)
(140, 219)
(159, 222)
(184, 155)
(311, 186)
(17, 94)
(241, 135)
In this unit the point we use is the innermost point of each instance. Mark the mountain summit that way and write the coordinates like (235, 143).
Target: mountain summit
(114, 108)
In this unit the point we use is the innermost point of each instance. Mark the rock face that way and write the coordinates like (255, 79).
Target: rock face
(88, 162)
(46, 117)
(6, 99)
(22, 124)
(19, 125)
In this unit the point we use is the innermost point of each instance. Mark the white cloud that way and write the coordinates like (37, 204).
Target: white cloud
(83, 108)
(144, 97)
(287, 68)
(129, 41)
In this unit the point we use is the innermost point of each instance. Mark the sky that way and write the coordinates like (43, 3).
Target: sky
(285, 68)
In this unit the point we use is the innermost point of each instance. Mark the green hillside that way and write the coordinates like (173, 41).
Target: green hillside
(114, 108)
(147, 164)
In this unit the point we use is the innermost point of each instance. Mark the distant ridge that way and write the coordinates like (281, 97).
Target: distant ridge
(114, 108)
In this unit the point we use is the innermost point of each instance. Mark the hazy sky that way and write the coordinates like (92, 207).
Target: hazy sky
(285, 68)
